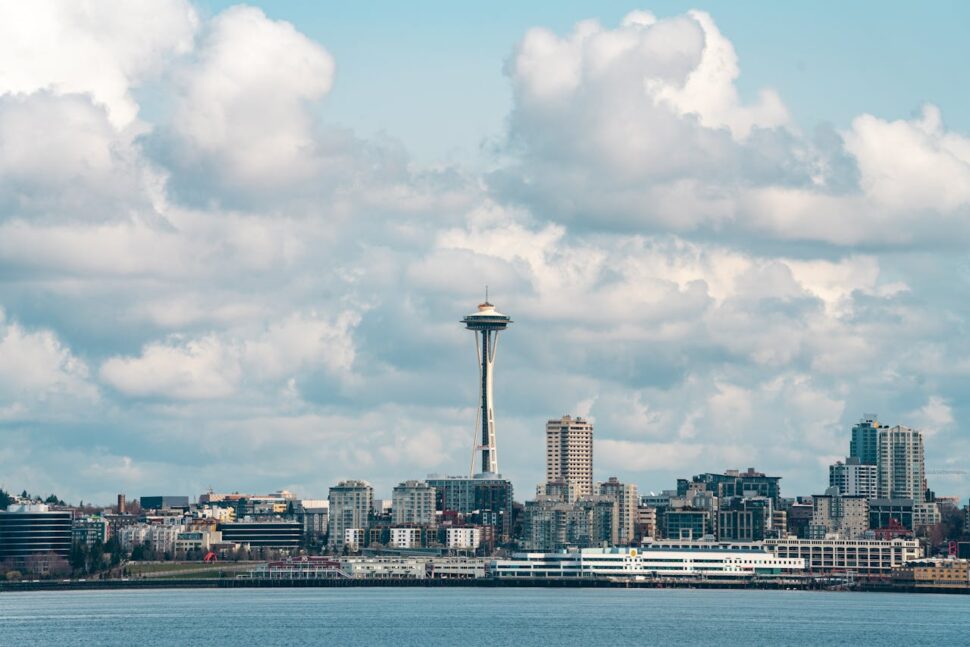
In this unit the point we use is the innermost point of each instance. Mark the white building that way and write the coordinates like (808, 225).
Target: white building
(197, 539)
(854, 478)
(413, 502)
(405, 537)
(350, 507)
(463, 568)
(657, 559)
(625, 495)
(569, 453)
(159, 537)
(901, 471)
(353, 538)
(833, 513)
(863, 557)
(384, 568)
(131, 536)
(217, 513)
(463, 538)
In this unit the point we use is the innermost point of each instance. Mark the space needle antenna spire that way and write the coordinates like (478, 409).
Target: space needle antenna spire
(486, 323)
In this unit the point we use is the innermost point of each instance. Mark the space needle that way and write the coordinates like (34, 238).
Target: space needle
(489, 322)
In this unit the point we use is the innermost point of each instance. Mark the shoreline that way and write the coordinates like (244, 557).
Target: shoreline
(247, 583)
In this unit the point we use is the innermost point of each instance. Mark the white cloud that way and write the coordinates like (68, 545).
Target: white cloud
(83, 169)
(641, 127)
(98, 48)
(912, 165)
(215, 366)
(709, 91)
(196, 369)
(243, 109)
(35, 366)
(299, 340)
(932, 418)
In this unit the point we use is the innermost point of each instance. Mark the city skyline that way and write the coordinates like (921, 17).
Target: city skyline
(234, 241)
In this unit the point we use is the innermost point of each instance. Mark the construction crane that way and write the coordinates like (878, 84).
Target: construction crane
(941, 472)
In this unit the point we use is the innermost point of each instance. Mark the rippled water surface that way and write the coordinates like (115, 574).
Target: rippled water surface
(470, 616)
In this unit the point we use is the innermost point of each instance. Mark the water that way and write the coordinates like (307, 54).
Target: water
(470, 616)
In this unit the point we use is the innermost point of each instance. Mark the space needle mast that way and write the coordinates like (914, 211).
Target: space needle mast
(487, 321)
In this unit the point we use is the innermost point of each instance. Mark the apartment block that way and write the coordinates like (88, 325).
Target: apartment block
(569, 453)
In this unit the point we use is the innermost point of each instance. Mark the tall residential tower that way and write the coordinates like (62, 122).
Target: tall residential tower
(864, 444)
(486, 323)
(569, 453)
(901, 471)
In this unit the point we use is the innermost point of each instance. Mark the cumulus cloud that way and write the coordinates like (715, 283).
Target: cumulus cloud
(196, 369)
(912, 165)
(642, 127)
(243, 111)
(101, 49)
(709, 91)
(215, 366)
(683, 264)
(83, 169)
(933, 417)
(36, 367)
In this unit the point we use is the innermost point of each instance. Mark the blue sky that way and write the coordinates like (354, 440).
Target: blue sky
(235, 241)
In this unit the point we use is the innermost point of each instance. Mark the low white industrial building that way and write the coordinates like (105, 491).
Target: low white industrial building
(835, 556)
(657, 559)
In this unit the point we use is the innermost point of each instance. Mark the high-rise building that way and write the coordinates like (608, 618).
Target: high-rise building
(593, 521)
(686, 523)
(733, 483)
(551, 524)
(854, 478)
(569, 453)
(486, 323)
(864, 442)
(546, 524)
(34, 529)
(901, 471)
(625, 495)
(413, 502)
(349, 508)
(484, 499)
(833, 512)
(558, 489)
(744, 519)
